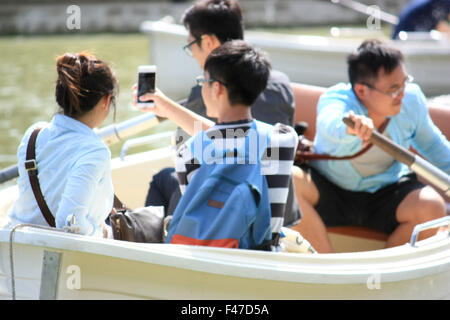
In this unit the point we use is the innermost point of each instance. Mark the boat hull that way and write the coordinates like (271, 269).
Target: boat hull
(110, 269)
(91, 268)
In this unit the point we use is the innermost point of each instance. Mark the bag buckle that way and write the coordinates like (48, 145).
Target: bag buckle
(30, 165)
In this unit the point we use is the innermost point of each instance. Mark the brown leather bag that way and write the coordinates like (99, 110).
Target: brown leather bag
(144, 224)
(140, 225)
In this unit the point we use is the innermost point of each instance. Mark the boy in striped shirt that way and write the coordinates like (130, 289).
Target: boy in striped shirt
(234, 76)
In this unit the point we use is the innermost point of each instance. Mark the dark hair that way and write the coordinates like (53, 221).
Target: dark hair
(365, 63)
(223, 18)
(82, 81)
(243, 69)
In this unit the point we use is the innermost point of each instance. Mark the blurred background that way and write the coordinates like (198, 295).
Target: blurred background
(34, 32)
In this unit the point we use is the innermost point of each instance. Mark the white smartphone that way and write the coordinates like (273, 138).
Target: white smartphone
(146, 83)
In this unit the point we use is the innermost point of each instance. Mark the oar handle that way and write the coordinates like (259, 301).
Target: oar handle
(398, 152)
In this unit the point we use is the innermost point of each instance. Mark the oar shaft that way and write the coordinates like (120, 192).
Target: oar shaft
(435, 176)
(396, 151)
(9, 173)
(422, 167)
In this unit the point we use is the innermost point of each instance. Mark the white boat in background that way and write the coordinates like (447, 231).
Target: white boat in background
(38, 263)
(316, 60)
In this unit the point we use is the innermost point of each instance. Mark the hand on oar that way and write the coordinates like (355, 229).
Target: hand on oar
(362, 128)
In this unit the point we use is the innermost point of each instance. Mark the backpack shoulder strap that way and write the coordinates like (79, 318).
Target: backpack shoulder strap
(197, 145)
(31, 167)
(264, 132)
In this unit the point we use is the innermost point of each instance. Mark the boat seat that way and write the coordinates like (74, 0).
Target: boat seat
(361, 232)
(306, 98)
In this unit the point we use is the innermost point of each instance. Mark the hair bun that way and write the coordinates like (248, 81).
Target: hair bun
(82, 81)
(67, 60)
(69, 71)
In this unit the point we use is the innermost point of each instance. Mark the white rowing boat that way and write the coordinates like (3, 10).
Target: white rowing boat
(53, 264)
(49, 264)
(316, 60)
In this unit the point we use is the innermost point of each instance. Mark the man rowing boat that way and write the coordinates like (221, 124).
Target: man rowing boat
(373, 190)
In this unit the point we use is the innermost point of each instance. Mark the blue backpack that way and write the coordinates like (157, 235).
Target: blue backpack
(225, 205)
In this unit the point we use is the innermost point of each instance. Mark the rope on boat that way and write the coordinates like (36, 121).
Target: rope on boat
(11, 256)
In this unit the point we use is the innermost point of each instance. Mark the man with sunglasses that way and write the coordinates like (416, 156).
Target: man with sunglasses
(210, 24)
(372, 190)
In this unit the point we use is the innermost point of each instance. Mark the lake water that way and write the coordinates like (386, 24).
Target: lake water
(27, 84)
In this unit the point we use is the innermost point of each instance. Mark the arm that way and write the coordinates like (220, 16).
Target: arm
(188, 120)
(277, 169)
(332, 135)
(185, 166)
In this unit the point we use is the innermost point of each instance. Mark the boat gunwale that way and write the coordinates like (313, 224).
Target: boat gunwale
(394, 264)
(322, 44)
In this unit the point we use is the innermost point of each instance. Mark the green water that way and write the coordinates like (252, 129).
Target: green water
(28, 75)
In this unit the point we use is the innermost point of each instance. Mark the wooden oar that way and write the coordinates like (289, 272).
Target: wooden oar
(110, 135)
(416, 163)
(368, 10)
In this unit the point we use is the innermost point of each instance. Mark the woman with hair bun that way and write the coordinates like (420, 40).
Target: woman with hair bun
(73, 163)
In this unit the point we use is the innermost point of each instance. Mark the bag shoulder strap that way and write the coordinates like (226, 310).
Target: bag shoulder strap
(31, 167)
(319, 156)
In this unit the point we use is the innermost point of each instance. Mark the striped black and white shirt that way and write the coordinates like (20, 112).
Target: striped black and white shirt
(276, 162)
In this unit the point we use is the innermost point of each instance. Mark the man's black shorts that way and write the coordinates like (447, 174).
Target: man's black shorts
(340, 207)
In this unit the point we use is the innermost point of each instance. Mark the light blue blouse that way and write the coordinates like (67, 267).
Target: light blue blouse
(412, 126)
(74, 173)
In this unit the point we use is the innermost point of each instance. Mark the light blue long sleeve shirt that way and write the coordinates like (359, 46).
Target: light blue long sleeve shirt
(74, 174)
(412, 126)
